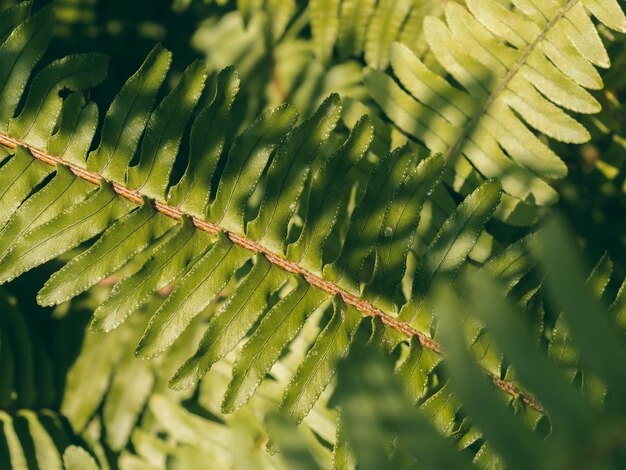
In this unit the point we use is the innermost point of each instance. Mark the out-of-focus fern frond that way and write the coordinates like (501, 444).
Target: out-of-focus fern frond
(119, 407)
(509, 74)
(122, 406)
(381, 432)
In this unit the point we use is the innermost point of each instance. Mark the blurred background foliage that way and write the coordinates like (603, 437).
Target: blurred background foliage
(51, 357)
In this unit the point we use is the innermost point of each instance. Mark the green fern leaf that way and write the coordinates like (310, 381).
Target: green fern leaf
(383, 28)
(278, 327)
(416, 437)
(137, 229)
(19, 53)
(195, 290)
(172, 256)
(192, 192)
(325, 27)
(164, 133)
(63, 191)
(17, 178)
(128, 116)
(68, 230)
(287, 175)
(355, 16)
(35, 123)
(596, 344)
(507, 424)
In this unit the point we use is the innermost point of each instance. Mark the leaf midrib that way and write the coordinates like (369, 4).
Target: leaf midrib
(363, 306)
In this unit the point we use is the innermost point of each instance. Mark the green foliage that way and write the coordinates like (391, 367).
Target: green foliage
(254, 244)
(595, 187)
(62, 393)
(586, 430)
(510, 80)
(33, 434)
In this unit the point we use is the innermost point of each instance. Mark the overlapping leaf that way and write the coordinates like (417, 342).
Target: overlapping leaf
(574, 409)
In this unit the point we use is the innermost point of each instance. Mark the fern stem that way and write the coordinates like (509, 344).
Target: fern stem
(361, 305)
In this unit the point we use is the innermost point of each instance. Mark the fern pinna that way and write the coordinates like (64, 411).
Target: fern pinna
(260, 209)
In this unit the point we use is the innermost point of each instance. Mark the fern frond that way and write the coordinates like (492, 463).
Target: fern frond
(119, 407)
(509, 74)
(205, 231)
(364, 27)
